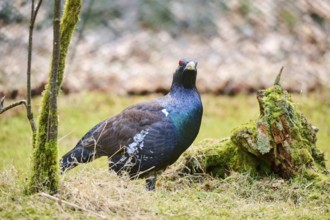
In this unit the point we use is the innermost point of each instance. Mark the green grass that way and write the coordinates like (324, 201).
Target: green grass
(94, 188)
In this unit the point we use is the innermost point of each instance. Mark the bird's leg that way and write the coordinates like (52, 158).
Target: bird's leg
(151, 183)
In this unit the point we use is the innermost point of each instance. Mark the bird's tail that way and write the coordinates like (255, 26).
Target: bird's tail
(76, 156)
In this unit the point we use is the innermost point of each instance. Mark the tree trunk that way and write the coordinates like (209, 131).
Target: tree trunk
(280, 141)
(45, 168)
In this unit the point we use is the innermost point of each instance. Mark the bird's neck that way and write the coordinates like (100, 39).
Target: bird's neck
(186, 80)
(179, 88)
(181, 94)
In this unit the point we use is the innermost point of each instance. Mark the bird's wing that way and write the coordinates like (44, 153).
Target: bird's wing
(150, 147)
(145, 122)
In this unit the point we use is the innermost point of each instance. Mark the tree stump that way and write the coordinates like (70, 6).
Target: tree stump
(280, 141)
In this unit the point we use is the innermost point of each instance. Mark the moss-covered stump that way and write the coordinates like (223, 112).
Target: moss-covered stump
(281, 141)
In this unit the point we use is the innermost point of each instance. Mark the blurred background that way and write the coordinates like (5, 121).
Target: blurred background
(132, 47)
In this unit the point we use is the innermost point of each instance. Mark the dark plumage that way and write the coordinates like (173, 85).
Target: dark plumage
(149, 136)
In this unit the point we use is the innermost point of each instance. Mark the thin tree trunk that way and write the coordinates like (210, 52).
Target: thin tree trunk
(34, 12)
(45, 168)
(52, 117)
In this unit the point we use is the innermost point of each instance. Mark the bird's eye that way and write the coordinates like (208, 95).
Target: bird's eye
(180, 62)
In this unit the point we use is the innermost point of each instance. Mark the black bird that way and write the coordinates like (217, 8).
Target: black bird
(149, 136)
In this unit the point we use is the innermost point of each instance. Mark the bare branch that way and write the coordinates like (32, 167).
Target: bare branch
(33, 18)
(2, 110)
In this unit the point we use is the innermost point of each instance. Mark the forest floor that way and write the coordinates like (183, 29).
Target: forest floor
(101, 194)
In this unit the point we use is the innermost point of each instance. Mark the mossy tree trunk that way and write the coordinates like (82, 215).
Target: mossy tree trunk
(45, 168)
(279, 141)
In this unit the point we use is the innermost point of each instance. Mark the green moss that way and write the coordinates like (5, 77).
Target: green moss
(305, 157)
(245, 136)
(219, 157)
(275, 103)
(247, 162)
(46, 179)
(318, 157)
(69, 21)
(212, 156)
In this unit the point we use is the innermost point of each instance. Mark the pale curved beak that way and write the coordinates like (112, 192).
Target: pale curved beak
(191, 65)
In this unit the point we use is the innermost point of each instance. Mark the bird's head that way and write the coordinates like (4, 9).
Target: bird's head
(185, 74)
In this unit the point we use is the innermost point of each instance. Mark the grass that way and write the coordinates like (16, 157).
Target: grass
(94, 188)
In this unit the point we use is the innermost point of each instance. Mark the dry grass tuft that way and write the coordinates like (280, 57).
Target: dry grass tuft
(105, 193)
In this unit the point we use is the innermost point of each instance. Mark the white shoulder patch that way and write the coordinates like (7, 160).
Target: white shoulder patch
(165, 112)
(138, 142)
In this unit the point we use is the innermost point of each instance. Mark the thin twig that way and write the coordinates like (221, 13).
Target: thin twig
(61, 138)
(34, 12)
(21, 102)
(60, 201)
